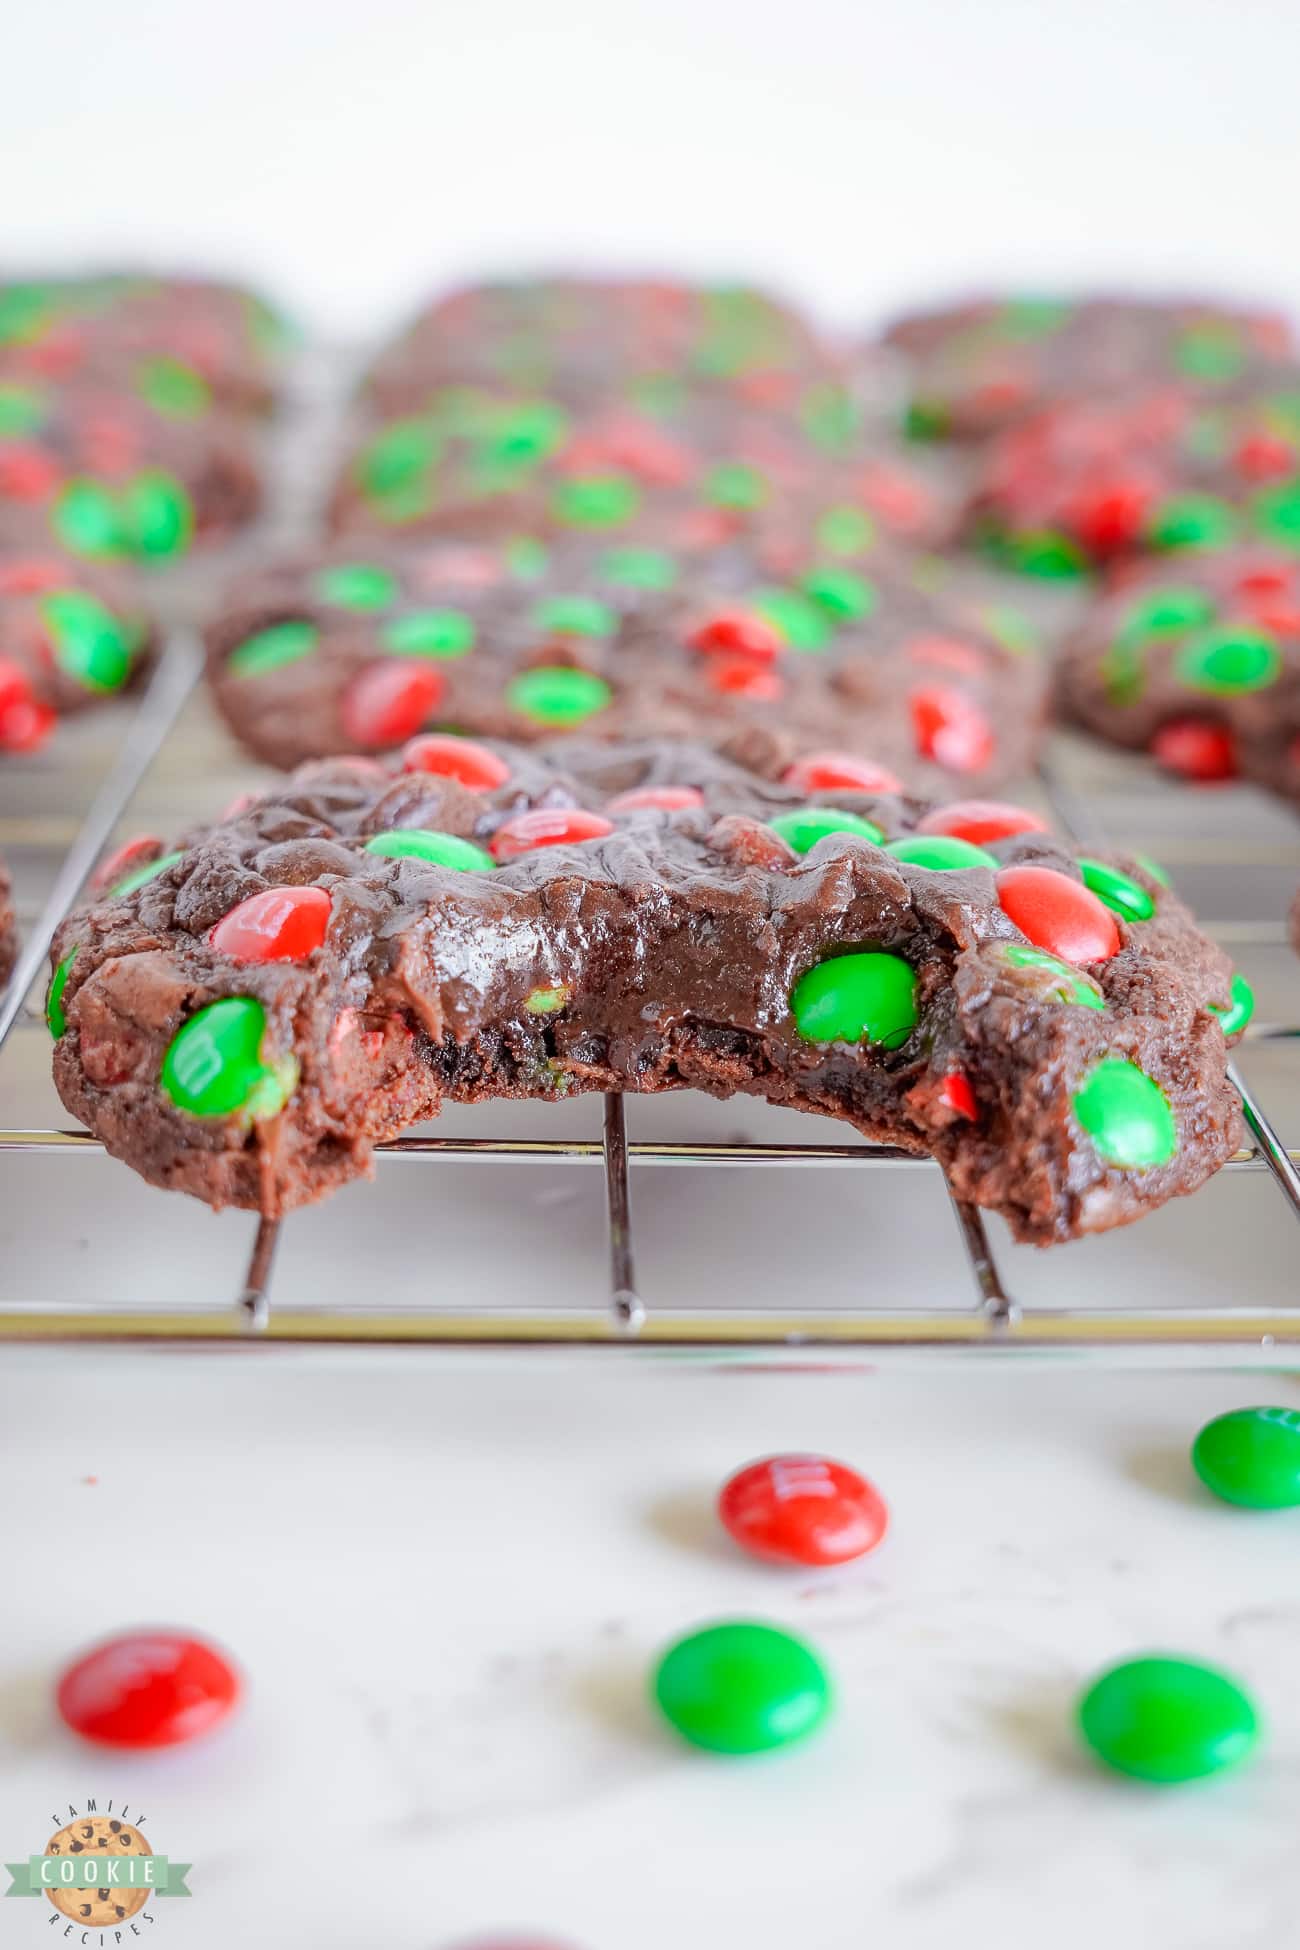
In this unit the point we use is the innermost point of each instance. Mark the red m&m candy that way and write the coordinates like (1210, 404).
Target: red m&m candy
(25, 723)
(441, 752)
(147, 1689)
(1201, 751)
(1058, 914)
(839, 772)
(388, 702)
(949, 729)
(956, 1095)
(742, 677)
(740, 632)
(981, 820)
(126, 858)
(657, 798)
(801, 1509)
(546, 826)
(279, 924)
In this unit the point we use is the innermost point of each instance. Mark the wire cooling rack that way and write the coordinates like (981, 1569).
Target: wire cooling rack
(148, 770)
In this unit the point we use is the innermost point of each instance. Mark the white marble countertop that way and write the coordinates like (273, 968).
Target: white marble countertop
(446, 1575)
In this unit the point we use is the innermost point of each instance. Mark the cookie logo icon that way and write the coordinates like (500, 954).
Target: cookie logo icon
(98, 1871)
(107, 1902)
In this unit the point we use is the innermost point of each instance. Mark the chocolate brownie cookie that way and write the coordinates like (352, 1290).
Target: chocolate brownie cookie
(8, 927)
(359, 649)
(696, 473)
(475, 921)
(1152, 472)
(102, 1907)
(976, 368)
(1198, 662)
(71, 634)
(583, 341)
(110, 477)
(177, 344)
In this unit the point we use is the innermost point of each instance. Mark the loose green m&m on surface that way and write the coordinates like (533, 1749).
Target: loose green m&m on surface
(1239, 1010)
(430, 633)
(1225, 662)
(269, 649)
(1251, 1456)
(1121, 893)
(143, 875)
(1127, 1116)
(214, 1066)
(940, 853)
(742, 1688)
(803, 827)
(557, 695)
(90, 643)
(439, 849)
(860, 998)
(1167, 1720)
(54, 1015)
(357, 585)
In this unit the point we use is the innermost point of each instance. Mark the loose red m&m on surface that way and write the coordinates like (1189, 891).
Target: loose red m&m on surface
(279, 924)
(547, 826)
(148, 1689)
(388, 702)
(839, 772)
(802, 1509)
(450, 757)
(1057, 913)
(981, 820)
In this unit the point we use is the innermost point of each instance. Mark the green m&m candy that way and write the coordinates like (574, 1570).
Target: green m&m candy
(940, 853)
(90, 643)
(858, 998)
(1277, 513)
(844, 596)
(742, 1688)
(1192, 521)
(639, 568)
(1120, 892)
(1054, 978)
(557, 695)
(575, 616)
(429, 633)
(54, 1014)
(1166, 612)
(1210, 351)
(845, 530)
(1047, 553)
(1239, 1010)
(735, 484)
(439, 849)
(596, 500)
(802, 828)
(1226, 662)
(1167, 1720)
(271, 648)
(214, 1066)
(143, 875)
(800, 622)
(1127, 1116)
(174, 389)
(357, 585)
(1251, 1456)
(87, 520)
(158, 515)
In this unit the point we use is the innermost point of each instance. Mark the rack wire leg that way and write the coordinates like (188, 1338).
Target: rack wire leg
(625, 1301)
(999, 1309)
(1276, 1156)
(255, 1300)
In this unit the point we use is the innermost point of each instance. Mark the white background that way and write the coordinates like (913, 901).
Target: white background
(352, 153)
